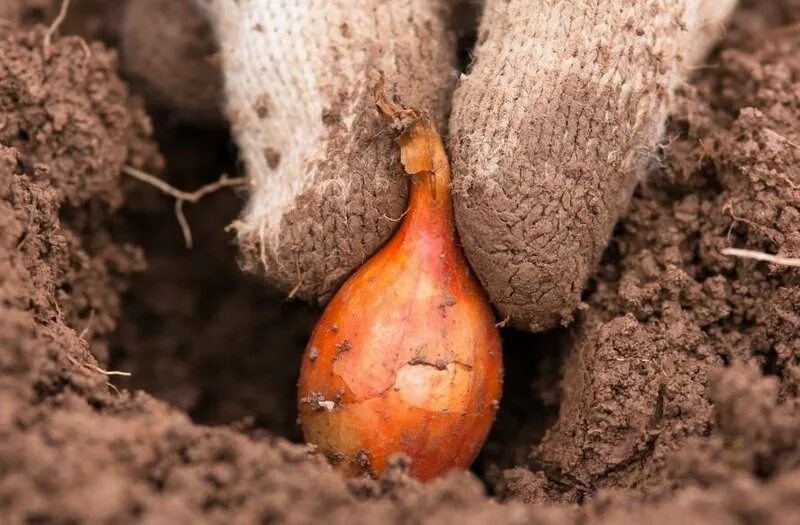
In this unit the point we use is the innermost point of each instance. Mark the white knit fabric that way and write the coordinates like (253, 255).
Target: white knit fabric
(298, 76)
(551, 128)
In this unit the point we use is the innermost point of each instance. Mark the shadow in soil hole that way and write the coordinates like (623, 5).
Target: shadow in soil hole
(529, 406)
(223, 347)
(195, 331)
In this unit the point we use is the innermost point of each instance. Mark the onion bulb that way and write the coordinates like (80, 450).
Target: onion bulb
(406, 358)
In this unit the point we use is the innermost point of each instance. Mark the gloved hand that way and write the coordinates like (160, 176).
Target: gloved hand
(551, 127)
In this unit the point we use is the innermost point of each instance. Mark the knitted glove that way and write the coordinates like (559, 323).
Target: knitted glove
(555, 122)
(551, 129)
(326, 181)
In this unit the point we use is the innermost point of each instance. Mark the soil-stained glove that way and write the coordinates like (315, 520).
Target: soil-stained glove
(327, 186)
(551, 129)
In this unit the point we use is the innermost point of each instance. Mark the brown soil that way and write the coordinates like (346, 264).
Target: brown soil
(92, 19)
(168, 50)
(676, 396)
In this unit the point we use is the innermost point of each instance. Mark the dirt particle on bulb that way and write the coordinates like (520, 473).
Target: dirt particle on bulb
(342, 347)
(316, 401)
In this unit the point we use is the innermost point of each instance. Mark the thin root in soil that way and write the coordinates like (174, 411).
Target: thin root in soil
(184, 196)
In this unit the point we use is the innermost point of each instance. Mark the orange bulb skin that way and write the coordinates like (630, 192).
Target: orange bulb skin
(406, 359)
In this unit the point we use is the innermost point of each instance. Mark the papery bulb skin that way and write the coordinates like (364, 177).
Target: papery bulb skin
(406, 359)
